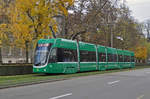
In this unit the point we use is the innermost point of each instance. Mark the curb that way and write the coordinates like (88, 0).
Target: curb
(32, 83)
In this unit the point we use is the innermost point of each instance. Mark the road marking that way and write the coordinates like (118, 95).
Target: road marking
(148, 72)
(57, 97)
(110, 83)
(140, 97)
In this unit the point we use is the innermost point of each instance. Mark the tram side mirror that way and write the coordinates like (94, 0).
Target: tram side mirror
(53, 56)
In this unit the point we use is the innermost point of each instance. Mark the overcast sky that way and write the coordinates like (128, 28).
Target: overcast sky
(140, 9)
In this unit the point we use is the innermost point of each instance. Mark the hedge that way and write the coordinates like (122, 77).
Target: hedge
(21, 69)
(6, 70)
(142, 64)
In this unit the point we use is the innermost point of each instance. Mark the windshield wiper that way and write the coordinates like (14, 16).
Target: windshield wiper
(37, 64)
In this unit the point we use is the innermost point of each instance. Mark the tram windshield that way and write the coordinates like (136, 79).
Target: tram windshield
(41, 54)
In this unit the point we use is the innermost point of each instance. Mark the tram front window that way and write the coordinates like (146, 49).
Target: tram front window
(41, 54)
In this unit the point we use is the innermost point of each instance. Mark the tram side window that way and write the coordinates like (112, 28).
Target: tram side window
(92, 56)
(87, 56)
(115, 57)
(84, 56)
(102, 57)
(120, 58)
(67, 55)
(127, 58)
(132, 58)
(110, 58)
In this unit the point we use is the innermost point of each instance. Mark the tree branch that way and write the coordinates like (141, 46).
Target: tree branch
(73, 36)
(104, 4)
(53, 33)
(28, 13)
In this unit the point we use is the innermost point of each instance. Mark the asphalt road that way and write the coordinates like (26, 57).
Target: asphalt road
(122, 85)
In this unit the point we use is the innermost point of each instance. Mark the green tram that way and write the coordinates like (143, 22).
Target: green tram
(68, 56)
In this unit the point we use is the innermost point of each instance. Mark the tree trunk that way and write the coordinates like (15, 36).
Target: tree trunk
(27, 52)
(53, 33)
(1, 55)
(32, 52)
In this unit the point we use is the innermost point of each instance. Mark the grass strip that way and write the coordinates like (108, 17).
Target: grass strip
(9, 81)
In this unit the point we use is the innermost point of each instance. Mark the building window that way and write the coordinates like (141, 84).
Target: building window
(21, 52)
(10, 51)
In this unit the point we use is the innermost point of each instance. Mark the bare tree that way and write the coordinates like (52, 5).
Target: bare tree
(147, 28)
